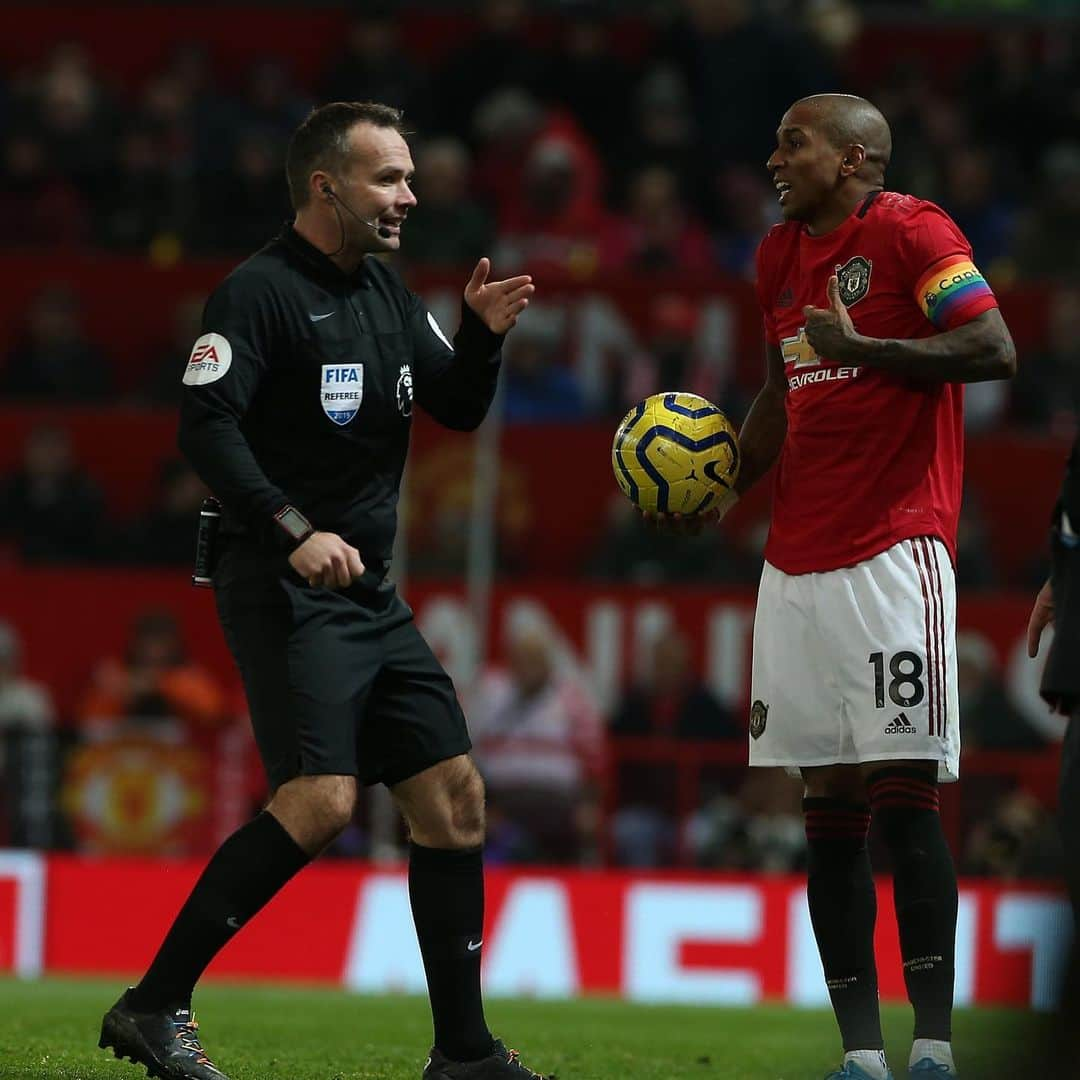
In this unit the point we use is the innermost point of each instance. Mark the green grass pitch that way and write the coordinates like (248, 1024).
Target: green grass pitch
(49, 1029)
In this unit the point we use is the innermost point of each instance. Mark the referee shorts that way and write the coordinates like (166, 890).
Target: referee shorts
(338, 682)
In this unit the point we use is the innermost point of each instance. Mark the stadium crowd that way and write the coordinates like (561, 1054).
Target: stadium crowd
(567, 150)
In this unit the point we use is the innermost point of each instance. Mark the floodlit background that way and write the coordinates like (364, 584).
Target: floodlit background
(615, 151)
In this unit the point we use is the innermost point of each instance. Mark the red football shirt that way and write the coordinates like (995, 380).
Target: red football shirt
(870, 458)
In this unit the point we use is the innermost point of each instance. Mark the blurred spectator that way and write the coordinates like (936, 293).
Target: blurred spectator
(139, 205)
(659, 232)
(1011, 102)
(536, 385)
(669, 702)
(375, 66)
(1017, 839)
(27, 751)
(672, 360)
(163, 385)
(499, 54)
(24, 705)
(748, 209)
(75, 118)
(591, 82)
(906, 97)
(672, 700)
(634, 551)
(554, 217)
(759, 828)
(975, 567)
(660, 130)
(167, 110)
(538, 740)
(985, 405)
(1048, 236)
(153, 681)
(38, 206)
(49, 508)
(507, 124)
(241, 210)
(976, 203)
(53, 360)
(270, 104)
(446, 227)
(721, 48)
(166, 535)
(1046, 389)
(987, 718)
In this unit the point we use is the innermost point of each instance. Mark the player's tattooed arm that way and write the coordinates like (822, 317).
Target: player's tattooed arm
(765, 426)
(980, 350)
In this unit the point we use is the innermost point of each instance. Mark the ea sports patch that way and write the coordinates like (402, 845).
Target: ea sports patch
(854, 279)
(759, 713)
(211, 357)
(341, 391)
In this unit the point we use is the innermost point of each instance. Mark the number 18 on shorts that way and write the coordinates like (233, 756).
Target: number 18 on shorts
(858, 664)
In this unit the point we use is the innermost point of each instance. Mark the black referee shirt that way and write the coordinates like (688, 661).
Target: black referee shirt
(300, 392)
(1061, 676)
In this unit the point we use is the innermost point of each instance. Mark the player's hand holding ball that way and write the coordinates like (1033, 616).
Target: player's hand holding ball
(830, 331)
(325, 561)
(676, 458)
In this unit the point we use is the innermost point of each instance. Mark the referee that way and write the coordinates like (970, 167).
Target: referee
(1058, 603)
(296, 412)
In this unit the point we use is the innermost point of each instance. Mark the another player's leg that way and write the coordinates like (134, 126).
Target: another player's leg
(153, 1023)
(444, 808)
(904, 800)
(843, 910)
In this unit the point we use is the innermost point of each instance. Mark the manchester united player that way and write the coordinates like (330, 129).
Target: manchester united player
(874, 317)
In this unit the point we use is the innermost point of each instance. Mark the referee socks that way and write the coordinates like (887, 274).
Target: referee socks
(446, 890)
(843, 910)
(244, 873)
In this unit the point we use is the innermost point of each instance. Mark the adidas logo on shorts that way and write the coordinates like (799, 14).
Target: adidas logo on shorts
(900, 725)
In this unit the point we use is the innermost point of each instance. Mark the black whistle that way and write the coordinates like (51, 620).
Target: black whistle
(206, 542)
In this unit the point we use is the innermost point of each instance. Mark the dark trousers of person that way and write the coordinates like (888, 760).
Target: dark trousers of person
(1066, 1040)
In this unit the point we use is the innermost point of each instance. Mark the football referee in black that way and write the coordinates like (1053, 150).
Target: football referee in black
(296, 411)
(1058, 603)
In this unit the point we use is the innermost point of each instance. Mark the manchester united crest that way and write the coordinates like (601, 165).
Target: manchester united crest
(759, 712)
(854, 279)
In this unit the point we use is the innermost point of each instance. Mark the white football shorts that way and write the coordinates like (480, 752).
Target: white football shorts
(858, 664)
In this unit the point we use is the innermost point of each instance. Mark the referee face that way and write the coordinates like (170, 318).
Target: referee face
(377, 186)
(805, 166)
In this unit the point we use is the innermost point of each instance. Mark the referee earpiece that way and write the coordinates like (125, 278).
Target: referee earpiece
(328, 191)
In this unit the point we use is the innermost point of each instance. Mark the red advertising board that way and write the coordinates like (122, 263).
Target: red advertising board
(708, 939)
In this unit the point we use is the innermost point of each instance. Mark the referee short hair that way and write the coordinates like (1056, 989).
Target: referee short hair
(322, 141)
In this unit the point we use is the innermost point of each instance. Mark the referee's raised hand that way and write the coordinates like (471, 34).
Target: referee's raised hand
(324, 560)
(498, 303)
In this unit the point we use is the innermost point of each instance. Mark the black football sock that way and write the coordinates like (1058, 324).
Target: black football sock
(843, 909)
(905, 805)
(446, 889)
(244, 873)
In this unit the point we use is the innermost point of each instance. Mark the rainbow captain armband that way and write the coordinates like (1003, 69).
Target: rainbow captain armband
(953, 291)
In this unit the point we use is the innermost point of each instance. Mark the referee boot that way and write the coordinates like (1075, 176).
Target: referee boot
(500, 1064)
(166, 1042)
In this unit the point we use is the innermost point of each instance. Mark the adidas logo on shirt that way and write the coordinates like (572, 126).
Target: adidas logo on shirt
(900, 725)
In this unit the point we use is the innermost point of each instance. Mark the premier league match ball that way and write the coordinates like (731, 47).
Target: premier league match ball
(675, 454)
